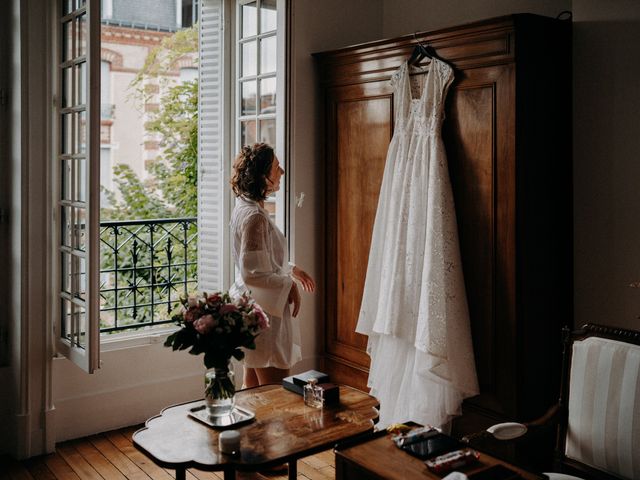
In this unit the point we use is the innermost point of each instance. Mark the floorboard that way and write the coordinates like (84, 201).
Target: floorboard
(112, 456)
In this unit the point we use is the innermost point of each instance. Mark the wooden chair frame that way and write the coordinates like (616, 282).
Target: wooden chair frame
(560, 411)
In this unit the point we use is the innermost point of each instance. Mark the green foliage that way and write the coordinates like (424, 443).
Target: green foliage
(169, 191)
(172, 188)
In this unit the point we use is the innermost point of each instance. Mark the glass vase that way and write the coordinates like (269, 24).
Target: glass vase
(219, 392)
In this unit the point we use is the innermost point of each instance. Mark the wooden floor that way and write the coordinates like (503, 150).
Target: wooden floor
(112, 456)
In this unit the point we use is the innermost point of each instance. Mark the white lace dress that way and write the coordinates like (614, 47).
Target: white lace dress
(414, 306)
(261, 258)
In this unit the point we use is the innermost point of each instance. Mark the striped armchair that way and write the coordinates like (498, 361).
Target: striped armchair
(598, 414)
(601, 397)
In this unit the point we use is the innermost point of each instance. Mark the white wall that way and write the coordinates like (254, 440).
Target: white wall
(316, 26)
(402, 17)
(606, 158)
(132, 385)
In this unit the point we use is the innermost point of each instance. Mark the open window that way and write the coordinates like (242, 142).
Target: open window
(76, 183)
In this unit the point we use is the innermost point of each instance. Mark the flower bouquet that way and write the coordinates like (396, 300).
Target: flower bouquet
(219, 327)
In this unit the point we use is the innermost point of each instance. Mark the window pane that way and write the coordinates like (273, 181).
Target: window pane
(82, 35)
(268, 132)
(268, 16)
(67, 6)
(268, 55)
(79, 229)
(249, 20)
(66, 132)
(249, 59)
(81, 83)
(65, 307)
(66, 222)
(67, 87)
(67, 41)
(248, 106)
(268, 95)
(248, 132)
(81, 132)
(80, 179)
(65, 179)
(81, 324)
(81, 290)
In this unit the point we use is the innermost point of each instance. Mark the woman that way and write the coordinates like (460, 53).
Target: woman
(260, 254)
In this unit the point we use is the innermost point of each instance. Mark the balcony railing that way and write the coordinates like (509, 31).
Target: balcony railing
(145, 266)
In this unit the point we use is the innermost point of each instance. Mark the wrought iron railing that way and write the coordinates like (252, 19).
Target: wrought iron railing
(145, 265)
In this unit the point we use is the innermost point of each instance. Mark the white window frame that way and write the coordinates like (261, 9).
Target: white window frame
(85, 354)
(280, 77)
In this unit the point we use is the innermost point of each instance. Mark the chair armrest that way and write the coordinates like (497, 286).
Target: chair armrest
(512, 430)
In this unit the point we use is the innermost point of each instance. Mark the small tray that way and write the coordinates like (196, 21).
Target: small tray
(237, 416)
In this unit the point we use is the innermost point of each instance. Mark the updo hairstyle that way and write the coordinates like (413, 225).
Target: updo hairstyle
(250, 170)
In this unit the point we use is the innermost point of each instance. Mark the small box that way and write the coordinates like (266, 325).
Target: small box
(295, 383)
(331, 393)
(301, 379)
(287, 383)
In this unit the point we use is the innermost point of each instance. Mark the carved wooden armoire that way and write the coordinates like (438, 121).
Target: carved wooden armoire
(507, 134)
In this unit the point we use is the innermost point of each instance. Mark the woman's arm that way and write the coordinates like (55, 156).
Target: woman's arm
(270, 289)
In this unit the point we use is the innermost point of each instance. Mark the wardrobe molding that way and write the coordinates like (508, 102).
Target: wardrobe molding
(507, 134)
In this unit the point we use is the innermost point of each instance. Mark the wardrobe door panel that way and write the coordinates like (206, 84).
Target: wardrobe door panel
(479, 139)
(360, 122)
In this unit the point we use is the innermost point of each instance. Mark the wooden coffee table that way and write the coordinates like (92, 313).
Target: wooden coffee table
(284, 430)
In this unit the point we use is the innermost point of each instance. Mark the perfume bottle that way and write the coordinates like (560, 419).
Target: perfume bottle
(313, 394)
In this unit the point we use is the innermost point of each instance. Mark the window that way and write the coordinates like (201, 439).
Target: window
(188, 74)
(257, 80)
(77, 173)
(186, 13)
(107, 9)
(229, 112)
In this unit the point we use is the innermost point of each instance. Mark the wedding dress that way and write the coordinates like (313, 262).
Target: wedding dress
(414, 307)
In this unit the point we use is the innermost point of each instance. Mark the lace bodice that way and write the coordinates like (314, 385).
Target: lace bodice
(420, 113)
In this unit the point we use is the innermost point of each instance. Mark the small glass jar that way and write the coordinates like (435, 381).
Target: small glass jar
(313, 394)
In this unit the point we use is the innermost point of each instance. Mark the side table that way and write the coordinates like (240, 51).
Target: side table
(284, 430)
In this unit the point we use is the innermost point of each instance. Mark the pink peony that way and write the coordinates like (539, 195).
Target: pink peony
(228, 308)
(205, 324)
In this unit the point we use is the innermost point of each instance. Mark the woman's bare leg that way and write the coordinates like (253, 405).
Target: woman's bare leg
(271, 375)
(250, 379)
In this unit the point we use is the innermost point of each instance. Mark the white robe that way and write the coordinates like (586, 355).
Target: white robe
(414, 306)
(261, 258)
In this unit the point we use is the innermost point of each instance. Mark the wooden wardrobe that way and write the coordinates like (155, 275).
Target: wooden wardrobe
(508, 139)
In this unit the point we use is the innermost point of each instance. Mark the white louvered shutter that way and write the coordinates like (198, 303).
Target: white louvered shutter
(212, 182)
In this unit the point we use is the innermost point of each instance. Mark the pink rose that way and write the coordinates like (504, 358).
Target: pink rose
(190, 315)
(228, 308)
(214, 298)
(192, 301)
(205, 324)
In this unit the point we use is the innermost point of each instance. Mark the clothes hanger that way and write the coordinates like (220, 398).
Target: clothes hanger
(420, 52)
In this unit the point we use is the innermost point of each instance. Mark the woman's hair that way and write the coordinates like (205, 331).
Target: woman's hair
(250, 170)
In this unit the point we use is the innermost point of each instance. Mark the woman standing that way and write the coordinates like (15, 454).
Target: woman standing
(261, 259)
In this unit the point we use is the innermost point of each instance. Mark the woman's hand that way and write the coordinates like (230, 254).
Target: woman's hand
(308, 285)
(294, 297)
